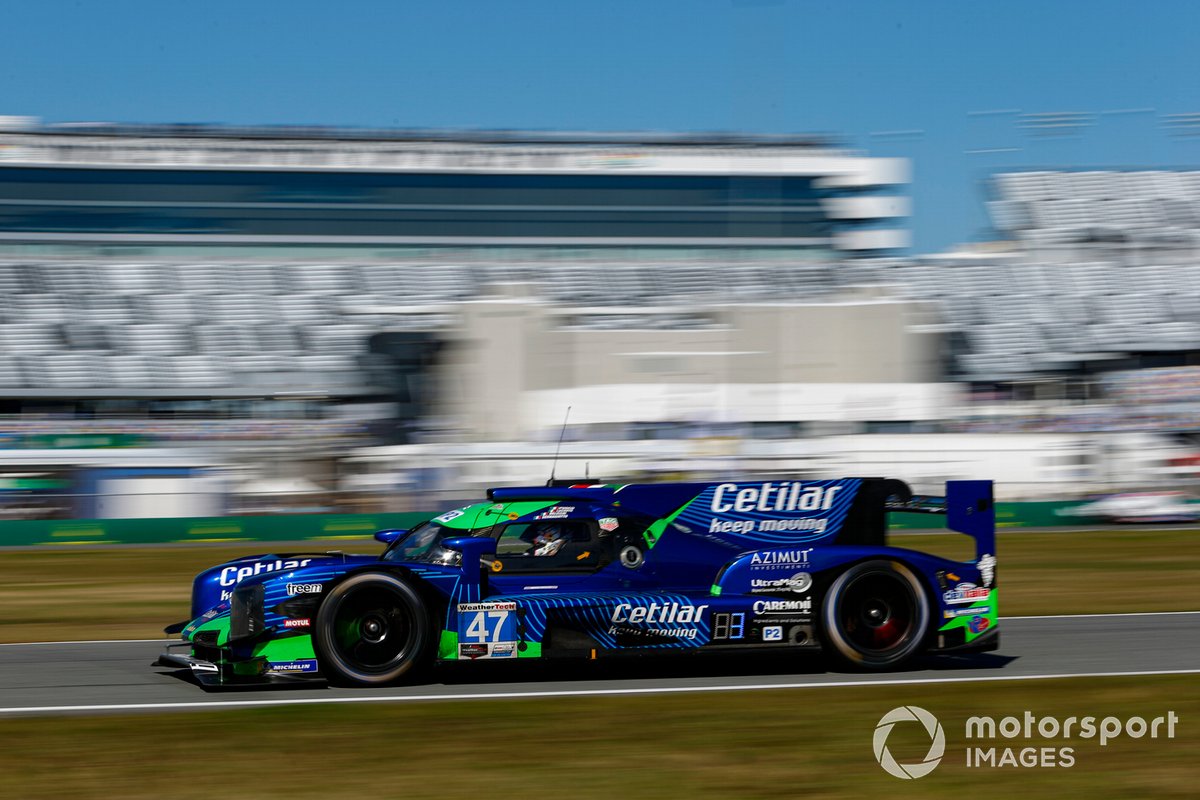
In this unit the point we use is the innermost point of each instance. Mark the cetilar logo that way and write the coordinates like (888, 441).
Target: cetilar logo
(937, 746)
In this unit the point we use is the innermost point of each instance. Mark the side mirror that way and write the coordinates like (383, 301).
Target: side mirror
(477, 557)
(473, 548)
(389, 536)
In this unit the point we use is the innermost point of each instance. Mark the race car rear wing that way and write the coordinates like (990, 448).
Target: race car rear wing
(967, 506)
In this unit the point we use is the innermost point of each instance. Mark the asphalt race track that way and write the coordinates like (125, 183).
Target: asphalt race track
(99, 677)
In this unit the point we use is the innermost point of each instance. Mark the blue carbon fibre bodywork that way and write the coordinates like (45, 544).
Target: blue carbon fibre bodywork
(689, 567)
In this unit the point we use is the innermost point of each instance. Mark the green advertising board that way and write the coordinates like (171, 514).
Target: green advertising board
(278, 528)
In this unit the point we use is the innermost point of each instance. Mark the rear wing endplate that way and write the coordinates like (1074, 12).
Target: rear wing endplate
(967, 506)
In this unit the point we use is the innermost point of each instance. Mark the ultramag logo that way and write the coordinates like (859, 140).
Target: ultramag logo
(937, 743)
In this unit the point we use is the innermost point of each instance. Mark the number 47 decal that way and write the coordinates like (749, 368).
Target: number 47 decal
(487, 626)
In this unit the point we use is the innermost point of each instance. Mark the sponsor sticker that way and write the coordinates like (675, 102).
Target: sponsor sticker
(685, 618)
(799, 583)
(965, 593)
(504, 650)
(951, 613)
(979, 624)
(555, 512)
(230, 576)
(762, 607)
(472, 651)
(608, 524)
(987, 569)
(773, 558)
(785, 496)
(498, 606)
(304, 588)
(303, 665)
(297, 623)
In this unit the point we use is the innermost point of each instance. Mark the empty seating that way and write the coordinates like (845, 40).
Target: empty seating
(23, 338)
(1047, 208)
(10, 373)
(155, 339)
(193, 326)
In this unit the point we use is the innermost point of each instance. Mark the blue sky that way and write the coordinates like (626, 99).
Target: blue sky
(893, 78)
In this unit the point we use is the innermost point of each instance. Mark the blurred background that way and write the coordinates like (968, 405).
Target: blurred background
(368, 315)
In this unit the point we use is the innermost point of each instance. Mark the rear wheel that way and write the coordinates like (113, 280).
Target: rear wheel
(876, 615)
(372, 629)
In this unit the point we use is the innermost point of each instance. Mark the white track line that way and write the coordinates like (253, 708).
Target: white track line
(1035, 616)
(217, 704)
(1119, 614)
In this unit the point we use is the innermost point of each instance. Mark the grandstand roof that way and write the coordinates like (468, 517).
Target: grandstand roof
(479, 136)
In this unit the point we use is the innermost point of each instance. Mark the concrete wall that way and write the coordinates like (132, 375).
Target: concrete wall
(510, 348)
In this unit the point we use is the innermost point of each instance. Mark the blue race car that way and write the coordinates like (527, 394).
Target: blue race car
(592, 571)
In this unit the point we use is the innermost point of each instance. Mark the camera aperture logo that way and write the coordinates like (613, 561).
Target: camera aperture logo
(1012, 741)
(937, 745)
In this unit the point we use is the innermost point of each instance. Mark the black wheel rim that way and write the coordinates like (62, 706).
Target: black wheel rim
(374, 629)
(878, 612)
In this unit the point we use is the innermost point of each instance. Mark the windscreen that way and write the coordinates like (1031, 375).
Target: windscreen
(423, 544)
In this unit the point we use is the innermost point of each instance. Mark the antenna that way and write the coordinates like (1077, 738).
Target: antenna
(561, 434)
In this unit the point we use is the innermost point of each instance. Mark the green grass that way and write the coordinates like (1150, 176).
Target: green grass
(812, 743)
(101, 593)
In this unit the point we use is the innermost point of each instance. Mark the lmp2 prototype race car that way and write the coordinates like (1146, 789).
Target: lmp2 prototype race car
(592, 571)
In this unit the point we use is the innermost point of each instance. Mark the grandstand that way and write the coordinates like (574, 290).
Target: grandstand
(1102, 273)
(179, 262)
(318, 290)
(102, 329)
(1074, 212)
(1018, 321)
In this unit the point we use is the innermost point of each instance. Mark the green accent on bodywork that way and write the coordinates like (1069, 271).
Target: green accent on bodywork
(254, 666)
(290, 648)
(448, 646)
(715, 591)
(219, 624)
(963, 621)
(652, 534)
(485, 515)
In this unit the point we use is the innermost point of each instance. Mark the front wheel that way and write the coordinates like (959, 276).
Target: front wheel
(876, 615)
(372, 629)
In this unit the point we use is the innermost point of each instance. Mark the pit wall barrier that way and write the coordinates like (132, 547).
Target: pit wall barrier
(298, 527)
(1033, 514)
(277, 528)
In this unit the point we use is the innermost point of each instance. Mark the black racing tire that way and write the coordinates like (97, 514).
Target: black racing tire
(876, 615)
(372, 629)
